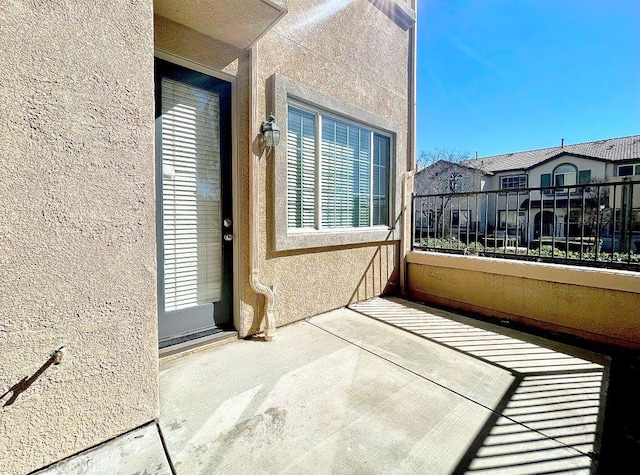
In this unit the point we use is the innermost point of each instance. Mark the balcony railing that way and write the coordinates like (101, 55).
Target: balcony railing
(596, 224)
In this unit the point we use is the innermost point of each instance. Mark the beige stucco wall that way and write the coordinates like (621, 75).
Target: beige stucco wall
(357, 55)
(78, 217)
(596, 304)
(187, 43)
(77, 226)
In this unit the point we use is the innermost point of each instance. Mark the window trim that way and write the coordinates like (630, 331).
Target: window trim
(280, 92)
(568, 186)
(518, 175)
(634, 167)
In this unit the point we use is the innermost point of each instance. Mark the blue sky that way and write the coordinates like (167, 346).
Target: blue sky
(499, 76)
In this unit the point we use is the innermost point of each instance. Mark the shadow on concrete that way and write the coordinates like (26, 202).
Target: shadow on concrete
(558, 433)
(548, 421)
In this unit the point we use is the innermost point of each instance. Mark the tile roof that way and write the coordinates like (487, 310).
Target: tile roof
(616, 149)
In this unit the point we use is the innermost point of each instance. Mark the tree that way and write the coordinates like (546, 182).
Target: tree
(589, 215)
(439, 172)
(429, 158)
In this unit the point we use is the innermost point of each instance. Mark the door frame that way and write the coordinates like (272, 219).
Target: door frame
(236, 192)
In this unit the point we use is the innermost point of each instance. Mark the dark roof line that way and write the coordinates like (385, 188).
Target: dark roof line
(559, 147)
(610, 150)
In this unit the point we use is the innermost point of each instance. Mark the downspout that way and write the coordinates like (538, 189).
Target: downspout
(407, 190)
(254, 201)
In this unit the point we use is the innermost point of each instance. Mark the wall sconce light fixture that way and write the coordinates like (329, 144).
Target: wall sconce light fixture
(270, 132)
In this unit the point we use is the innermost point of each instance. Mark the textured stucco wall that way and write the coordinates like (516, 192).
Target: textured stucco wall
(77, 226)
(356, 54)
(598, 305)
(237, 23)
(180, 40)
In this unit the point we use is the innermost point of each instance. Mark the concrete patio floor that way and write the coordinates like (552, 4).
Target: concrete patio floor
(386, 386)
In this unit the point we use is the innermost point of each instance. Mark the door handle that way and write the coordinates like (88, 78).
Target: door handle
(228, 237)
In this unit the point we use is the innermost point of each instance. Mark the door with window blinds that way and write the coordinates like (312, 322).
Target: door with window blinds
(194, 297)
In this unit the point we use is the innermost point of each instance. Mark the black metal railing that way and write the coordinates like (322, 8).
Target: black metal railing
(595, 224)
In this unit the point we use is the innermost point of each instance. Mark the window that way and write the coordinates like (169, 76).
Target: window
(628, 170)
(584, 177)
(301, 163)
(456, 183)
(337, 172)
(545, 180)
(513, 182)
(337, 175)
(565, 175)
(627, 221)
(510, 219)
(461, 217)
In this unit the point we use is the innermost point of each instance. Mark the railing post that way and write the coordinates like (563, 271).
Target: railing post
(413, 219)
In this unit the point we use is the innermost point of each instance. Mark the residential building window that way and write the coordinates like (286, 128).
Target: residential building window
(461, 217)
(510, 219)
(337, 172)
(565, 175)
(584, 177)
(513, 222)
(513, 182)
(301, 164)
(545, 180)
(455, 183)
(336, 175)
(629, 170)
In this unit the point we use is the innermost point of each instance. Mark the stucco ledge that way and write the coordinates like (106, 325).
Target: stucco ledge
(620, 280)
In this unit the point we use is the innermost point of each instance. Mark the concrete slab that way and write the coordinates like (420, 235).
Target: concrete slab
(387, 386)
(456, 371)
(138, 452)
(559, 392)
(347, 393)
(309, 402)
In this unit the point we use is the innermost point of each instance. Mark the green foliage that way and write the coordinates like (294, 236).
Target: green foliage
(442, 243)
(546, 251)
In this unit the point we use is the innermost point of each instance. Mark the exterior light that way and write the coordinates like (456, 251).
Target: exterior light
(270, 132)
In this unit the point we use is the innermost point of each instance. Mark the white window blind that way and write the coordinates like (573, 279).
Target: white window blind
(351, 165)
(190, 195)
(301, 164)
(346, 175)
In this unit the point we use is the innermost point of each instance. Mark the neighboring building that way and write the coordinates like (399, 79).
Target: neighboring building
(120, 235)
(443, 178)
(447, 177)
(602, 160)
(530, 216)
